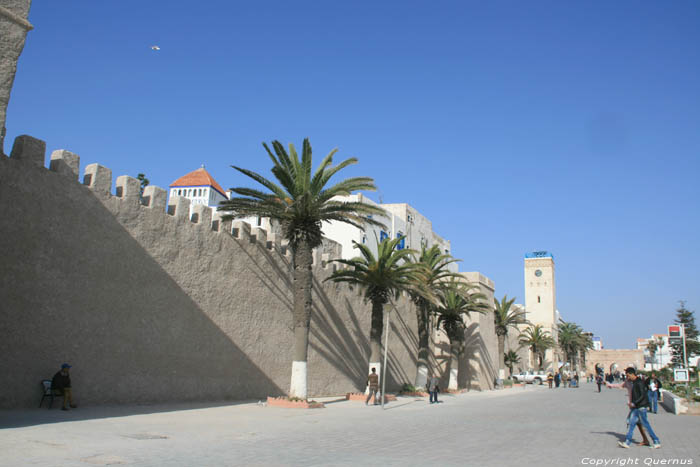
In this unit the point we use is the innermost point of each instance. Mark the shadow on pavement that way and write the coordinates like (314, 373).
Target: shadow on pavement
(619, 436)
(31, 417)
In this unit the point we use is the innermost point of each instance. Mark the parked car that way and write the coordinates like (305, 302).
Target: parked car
(533, 377)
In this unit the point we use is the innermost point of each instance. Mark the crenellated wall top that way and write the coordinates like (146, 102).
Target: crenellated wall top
(31, 152)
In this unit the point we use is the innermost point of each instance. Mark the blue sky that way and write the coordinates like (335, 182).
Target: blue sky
(513, 126)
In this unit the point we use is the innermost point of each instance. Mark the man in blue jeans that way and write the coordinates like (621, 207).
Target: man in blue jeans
(639, 403)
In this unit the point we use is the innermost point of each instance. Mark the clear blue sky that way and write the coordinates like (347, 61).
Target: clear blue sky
(513, 126)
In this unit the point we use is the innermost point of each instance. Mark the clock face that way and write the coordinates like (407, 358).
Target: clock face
(538, 273)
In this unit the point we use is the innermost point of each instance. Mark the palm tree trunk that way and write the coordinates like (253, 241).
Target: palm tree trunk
(375, 338)
(453, 384)
(302, 284)
(501, 356)
(423, 319)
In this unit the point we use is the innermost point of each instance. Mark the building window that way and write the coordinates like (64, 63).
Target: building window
(538, 299)
(259, 221)
(179, 192)
(383, 236)
(402, 243)
(364, 239)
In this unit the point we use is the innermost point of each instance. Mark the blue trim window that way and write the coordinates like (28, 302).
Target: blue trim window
(402, 243)
(383, 236)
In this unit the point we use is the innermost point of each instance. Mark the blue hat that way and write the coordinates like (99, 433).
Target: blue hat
(65, 365)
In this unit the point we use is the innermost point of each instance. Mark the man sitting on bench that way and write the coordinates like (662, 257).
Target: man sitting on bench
(61, 383)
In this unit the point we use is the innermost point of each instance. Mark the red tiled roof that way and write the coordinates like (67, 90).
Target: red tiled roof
(199, 177)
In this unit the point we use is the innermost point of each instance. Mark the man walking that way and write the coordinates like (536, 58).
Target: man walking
(373, 383)
(638, 404)
(433, 388)
(653, 385)
(599, 381)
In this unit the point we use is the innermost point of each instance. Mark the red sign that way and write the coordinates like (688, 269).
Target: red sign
(674, 331)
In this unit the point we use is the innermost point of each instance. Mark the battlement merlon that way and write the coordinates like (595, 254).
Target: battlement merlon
(476, 277)
(128, 188)
(29, 149)
(65, 163)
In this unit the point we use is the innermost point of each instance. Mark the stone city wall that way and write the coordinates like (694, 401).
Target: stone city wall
(623, 358)
(13, 31)
(150, 305)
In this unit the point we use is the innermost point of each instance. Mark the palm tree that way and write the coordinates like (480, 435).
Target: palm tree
(585, 344)
(300, 202)
(652, 347)
(569, 336)
(431, 280)
(504, 318)
(538, 340)
(511, 358)
(660, 345)
(457, 300)
(382, 278)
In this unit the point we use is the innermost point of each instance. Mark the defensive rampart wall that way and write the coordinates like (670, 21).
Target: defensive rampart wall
(13, 31)
(149, 304)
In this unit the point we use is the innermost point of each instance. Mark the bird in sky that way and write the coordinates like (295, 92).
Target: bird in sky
(155, 47)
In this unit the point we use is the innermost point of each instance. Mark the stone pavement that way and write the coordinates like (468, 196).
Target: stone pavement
(513, 427)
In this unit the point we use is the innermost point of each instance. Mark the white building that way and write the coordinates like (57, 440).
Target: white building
(199, 187)
(597, 343)
(662, 357)
(401, 220)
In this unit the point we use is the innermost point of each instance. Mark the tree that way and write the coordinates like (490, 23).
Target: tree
(692, 346)
(456, 300)
(652, 347)
(144, 183)
(505, 317)
(569, 336)
(584, 345)
(300, 202)
(510, 359)
(382, 278)
(431, 280)
(538, 340)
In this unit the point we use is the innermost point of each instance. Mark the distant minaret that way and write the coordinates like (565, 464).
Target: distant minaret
(541, 297)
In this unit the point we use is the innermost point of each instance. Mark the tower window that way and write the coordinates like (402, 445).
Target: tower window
(538, 299)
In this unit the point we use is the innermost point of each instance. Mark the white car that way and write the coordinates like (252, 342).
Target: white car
(533, 377)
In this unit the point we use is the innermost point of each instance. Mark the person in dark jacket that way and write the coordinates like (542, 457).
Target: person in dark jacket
(61, 384)
(599, 381)
(639, 403)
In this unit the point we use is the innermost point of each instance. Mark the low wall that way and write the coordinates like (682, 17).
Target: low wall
(149, 305)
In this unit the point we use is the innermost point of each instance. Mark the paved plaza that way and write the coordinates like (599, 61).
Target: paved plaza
(515, 427)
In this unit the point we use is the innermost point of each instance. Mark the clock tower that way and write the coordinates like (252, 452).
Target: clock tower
(540, 298)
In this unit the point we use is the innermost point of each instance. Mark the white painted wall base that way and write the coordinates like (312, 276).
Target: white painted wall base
(297, 388)
(454, 384)
(421, 377)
